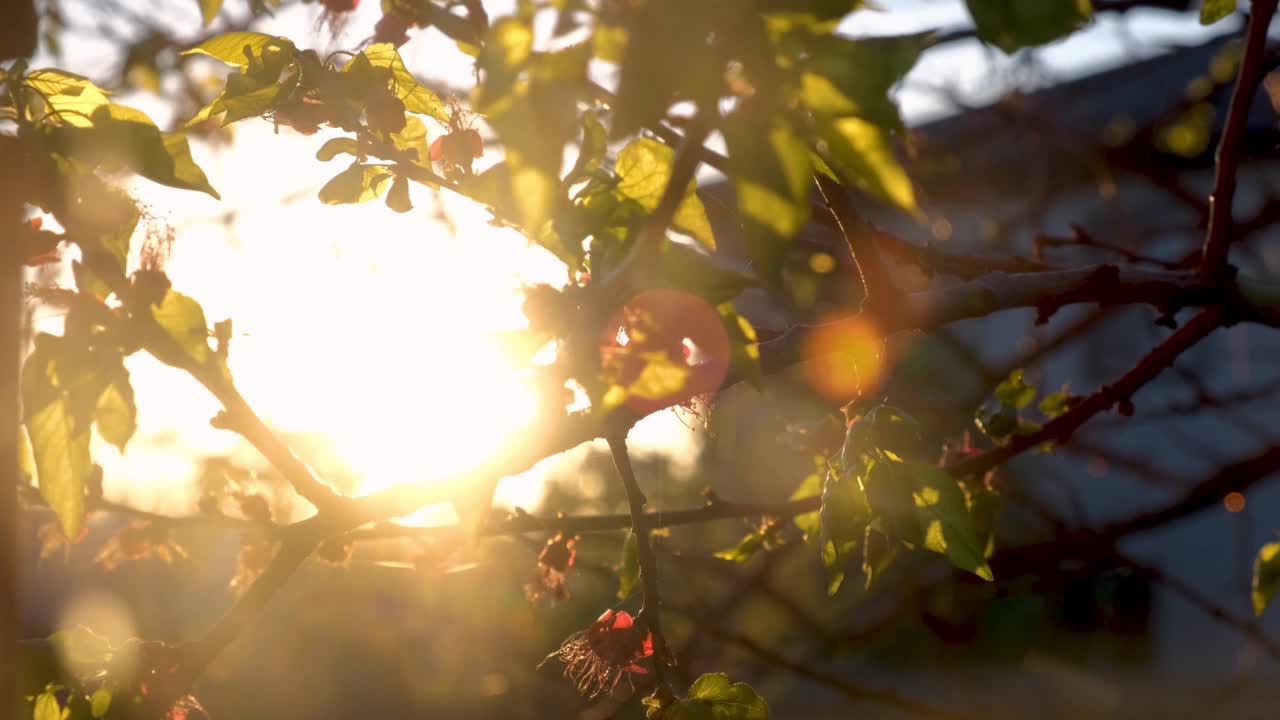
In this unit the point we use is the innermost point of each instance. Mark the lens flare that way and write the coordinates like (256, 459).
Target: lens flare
(844, 357)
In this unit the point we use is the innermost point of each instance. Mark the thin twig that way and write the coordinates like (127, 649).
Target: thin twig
(650, 608)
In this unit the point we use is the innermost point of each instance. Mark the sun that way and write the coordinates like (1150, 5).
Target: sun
(371, 338)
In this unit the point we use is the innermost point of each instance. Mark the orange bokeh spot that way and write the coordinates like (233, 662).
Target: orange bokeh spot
(1233, 502)
(844, 357)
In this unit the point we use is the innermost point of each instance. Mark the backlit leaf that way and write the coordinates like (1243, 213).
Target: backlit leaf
(230, 47)
(771, 169)
(1266, 576)
(182, 320)
(71, 98)
(644, 169)
(629, 568)
(208, 11)
(358, 183)
(398, 197)
(842, 76)
(416, 97)
(861, 155)
(944, 519)
(714, 697)
(1211, 11)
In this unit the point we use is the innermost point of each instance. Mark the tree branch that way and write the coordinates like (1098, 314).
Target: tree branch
(1218, 238)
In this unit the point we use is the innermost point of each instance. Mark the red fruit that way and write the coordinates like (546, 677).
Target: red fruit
(391, 28)
(340, 6)
(457, 148)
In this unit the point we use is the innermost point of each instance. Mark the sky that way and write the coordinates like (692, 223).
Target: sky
(366, 337)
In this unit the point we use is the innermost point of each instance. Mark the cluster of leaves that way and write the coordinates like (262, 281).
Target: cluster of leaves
(1003, 416)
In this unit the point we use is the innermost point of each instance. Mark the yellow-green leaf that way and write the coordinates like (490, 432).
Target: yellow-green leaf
(861, 155)
(415, 96)
(100, 703)
(208, 11)
(230, 47)
(333, 147)
(61, 449)
(71, 98)
(714, 697)
(116, 415)
(182, 320)
(1266, 576)
(1211, 11)
(358, 183)
(644, 169)
(629, 568)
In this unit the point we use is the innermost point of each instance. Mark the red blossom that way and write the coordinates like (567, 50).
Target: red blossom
(596, 659)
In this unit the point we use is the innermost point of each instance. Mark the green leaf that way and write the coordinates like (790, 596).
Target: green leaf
(1056, 403)
(1211, 11)
(629, 569)
(412, 137)
(1266, 576)
(1014, 390)
(666, 55)
(230, 47)
(47, 707)
(358, 183)
(746, 549)
(116, 415)
(71, 97)
(810, 523)
(26, 457)
(842, 76)
(771, 168)
(644, 169)
(100, 703)
(714, 697)
(59, 434)
(208, 11)
(416, 97)
(944, 519)
(182, 320)
(335, 146)
(398, 197)
(861, 155)
(844, 514)
(1014, 24)
(123, 137)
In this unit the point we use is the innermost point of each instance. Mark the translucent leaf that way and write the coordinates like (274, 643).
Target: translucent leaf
(810, 523)
(117, 416)
(412, 137)
(609, 42)
(416, 97)
(853, 77)
(1014, 24)
(944, 519)
(230, 47)
(182, 319)
(208, 11)
(771, 171)
(70, 97)
(358, 183)
(746, 549)
(629, 568)
(861, 155)
(714, 697)
(335, 146)
(100, 703)
(1015, 391)
(1211, 11)
(47, 707)
(644, 169)
(59, 439)
(1266, 576)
